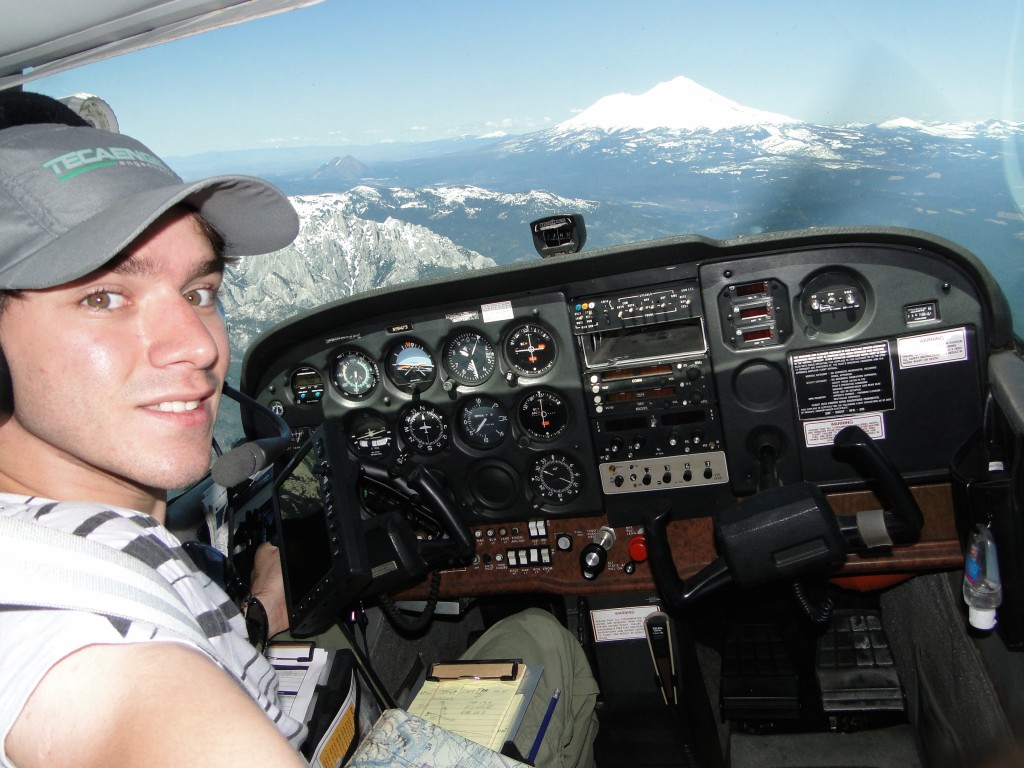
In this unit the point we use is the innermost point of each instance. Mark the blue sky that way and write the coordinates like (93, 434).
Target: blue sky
(363, 71)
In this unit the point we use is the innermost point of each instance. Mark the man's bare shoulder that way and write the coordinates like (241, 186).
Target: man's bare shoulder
(112, 705)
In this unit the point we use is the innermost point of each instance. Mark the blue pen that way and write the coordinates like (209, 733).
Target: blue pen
(543, 726)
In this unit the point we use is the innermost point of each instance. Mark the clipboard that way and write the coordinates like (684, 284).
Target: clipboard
(527, 687)
(483, 669)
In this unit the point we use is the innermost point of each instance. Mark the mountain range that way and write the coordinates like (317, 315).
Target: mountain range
(677, 159)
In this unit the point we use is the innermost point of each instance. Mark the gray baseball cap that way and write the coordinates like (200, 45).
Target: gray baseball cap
(72, 198)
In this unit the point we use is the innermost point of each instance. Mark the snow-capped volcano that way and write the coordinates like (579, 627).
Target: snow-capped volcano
(679, 104)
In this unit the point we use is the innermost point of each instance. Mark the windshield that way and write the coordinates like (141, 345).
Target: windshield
(420, 139)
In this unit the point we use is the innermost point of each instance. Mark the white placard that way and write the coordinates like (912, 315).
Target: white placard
(612, 624)
(932, 348)
(498, 311)
(824, 431)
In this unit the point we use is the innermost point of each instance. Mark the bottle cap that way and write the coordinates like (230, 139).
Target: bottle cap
(982, 618)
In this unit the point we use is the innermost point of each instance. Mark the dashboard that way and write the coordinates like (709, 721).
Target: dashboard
(558, 399)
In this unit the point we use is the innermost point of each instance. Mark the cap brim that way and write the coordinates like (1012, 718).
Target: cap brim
(253, 217)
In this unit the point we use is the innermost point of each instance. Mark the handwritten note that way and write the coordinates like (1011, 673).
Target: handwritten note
(480, 710)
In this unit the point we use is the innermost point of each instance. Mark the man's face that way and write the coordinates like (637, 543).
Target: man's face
(117, 376)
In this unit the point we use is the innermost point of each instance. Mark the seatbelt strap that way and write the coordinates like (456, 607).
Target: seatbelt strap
(43, 567)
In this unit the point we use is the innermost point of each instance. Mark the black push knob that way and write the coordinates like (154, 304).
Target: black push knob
(593, 559)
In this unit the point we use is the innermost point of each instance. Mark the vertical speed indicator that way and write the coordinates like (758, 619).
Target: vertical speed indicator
(483, 422)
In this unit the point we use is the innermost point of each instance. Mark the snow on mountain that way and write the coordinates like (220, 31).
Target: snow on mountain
(334, 256)
(679, 104)
(995, 129)
(438, 201)
(677, 158)
(483, 220)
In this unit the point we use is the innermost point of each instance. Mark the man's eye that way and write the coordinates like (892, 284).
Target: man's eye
(103, 300)
(201, 297)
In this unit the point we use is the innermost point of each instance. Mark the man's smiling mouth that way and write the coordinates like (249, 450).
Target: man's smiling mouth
(175, 406)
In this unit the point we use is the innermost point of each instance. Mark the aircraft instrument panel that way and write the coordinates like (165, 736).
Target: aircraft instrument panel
(687, 371)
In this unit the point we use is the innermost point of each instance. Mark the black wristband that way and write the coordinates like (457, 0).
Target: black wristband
(257, 625)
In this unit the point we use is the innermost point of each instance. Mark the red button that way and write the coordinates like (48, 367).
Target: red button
(638, 548)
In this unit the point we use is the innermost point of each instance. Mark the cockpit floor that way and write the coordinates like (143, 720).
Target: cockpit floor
(892, 747)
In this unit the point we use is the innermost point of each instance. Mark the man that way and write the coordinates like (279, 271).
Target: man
(116, 352)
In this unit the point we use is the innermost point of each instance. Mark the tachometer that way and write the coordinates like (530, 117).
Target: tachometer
(410, 366)
(543, 414)
(354, 374)
(483, 422)
(531, 350)
(424, 429)
(469, 358)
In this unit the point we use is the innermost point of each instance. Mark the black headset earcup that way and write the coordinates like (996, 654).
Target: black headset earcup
(6, 388)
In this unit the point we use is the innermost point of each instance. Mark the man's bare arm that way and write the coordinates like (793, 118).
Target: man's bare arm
(152, 704)
(268, 585)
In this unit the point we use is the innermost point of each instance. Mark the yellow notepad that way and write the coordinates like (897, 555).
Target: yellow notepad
(483, 709)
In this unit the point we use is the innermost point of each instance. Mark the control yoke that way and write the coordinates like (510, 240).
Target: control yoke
(419, 483)
(789, 530)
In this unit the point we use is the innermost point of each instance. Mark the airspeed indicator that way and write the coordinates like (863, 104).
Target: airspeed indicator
(354, 374)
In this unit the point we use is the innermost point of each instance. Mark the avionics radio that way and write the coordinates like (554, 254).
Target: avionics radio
(649, 386)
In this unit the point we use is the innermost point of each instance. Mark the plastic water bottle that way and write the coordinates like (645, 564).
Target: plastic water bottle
(983, 591)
